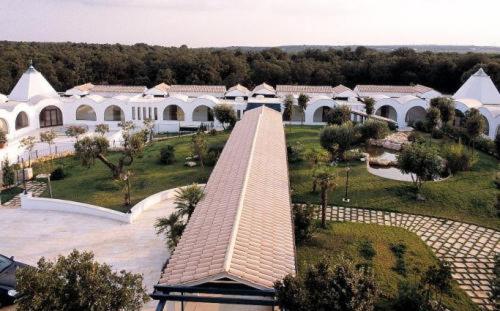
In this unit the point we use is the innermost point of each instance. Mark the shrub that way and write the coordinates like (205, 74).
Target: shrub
(419, 126)
(399, 251)
(366, 250)
(421, 160)
(338, 139)
(225, 114)
(57, 174)
(294, 152)
(392, 126)
(8, 173)
(432, 118)
(485, 144)
(3, 137)
(411, 297)
(458, 159)
(338, 115)
(437, 134)
(167, 154)
(303, 221)
(213, 154)
(415, 137)
(374, 129)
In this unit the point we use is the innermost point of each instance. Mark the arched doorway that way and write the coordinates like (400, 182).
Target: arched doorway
(114, 113)
(51, 116)
(4, 127)
(22, 120)
(388, 112)
(203, 113)
(173, 113)
(85, 112)
(321, 113)
(415, 114)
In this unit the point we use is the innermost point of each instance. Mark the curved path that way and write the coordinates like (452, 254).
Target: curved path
(470, 249)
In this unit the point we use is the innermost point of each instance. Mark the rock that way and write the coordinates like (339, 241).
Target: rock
(420, 197)
(190, 164)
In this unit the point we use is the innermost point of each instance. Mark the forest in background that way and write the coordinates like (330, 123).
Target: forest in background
(68, 64)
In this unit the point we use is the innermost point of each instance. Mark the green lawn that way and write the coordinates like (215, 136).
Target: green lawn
(346, 239)
(467, 196)
(94, 185)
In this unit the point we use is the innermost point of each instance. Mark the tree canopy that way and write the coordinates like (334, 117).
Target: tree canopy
(68, 64)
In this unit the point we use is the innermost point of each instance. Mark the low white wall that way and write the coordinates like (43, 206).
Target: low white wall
(28, 202)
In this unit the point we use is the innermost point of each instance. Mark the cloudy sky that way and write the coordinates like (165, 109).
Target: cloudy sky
(200, 23)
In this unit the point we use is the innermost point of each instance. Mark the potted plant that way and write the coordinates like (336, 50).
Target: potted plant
(3, 139)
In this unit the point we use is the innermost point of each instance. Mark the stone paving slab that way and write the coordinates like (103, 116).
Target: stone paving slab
(34, 187)
(469, 249)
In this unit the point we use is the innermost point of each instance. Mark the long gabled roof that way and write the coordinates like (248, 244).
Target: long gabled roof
(480, 87)
(305, 89)
(31, 84)
(408, 89)
(242, 228)
(188, 88)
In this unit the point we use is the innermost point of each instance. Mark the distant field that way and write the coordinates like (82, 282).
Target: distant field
(346, 239)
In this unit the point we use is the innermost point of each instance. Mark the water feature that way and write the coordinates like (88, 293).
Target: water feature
(389, 172)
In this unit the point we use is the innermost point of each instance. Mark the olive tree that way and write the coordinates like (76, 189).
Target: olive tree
(474, 124)
(28, 143)
(421, 161)
(89, 149)
(432, 118)
(369, 105)
(75, 131)
(338, 139)
(200, 146)
(226, 115)
(102, 129)
(78, 282)
(338, 115)
(446, 109)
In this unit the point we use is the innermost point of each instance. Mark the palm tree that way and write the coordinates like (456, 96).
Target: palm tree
(172, 227)
(302, 102)
(187, 198)
(325, 179)
(287, 112)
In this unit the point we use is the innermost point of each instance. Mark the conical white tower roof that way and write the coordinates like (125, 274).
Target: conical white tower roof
(480, 87)
(30, 84)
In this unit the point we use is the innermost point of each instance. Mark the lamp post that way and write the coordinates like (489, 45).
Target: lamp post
(24, 177)
(346, 198)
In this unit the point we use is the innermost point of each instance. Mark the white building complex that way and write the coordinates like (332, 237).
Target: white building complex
(33, 104)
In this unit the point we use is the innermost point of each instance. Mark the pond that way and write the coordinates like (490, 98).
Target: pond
(382, 171)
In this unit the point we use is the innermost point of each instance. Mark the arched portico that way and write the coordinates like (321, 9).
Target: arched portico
(50, 116)
(85, 113)
(320, 115)
(173, 113)
(4, 126)
(388, 112)
(415, 114)
(203, 113)
(114, 113)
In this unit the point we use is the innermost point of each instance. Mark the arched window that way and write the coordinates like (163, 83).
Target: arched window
(4, 127)
(203, 113)
(51, 116)
(114, 113)
(22, 120)
(173, 113)
(85, 112)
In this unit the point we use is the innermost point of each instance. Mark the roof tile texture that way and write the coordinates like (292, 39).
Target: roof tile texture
(242, 228)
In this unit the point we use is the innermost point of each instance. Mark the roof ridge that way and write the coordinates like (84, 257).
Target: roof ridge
(234, 231)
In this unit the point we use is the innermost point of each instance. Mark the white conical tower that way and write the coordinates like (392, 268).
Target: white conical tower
(30, 84)
(480, 87)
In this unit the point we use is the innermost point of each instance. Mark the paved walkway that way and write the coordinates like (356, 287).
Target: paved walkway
(470, 249)
(34, 187)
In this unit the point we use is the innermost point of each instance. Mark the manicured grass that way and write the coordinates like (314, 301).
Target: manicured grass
(94, 185)
(345, 239)
(7, 194)
(467, 196)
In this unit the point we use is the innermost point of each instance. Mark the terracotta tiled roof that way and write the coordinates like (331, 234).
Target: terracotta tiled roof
(162, 87)
(117, 89)
(304, 89)
(340, 89)
(393, 89)
(264, 86)
(197, 88)
(242, 228)
(239, 87)
(85, 87)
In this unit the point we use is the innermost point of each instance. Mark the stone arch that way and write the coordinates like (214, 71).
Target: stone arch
(203, 113)
(22, 120)
(86, 113)
(114, 113)
(51, 116)
(388, 112)
(173, 113)
(414, 114)
(4, 126)
(320, 114)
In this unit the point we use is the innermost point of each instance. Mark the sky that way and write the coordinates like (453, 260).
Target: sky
(217, 23)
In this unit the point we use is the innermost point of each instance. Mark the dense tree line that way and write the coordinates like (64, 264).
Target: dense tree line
(68, 64)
